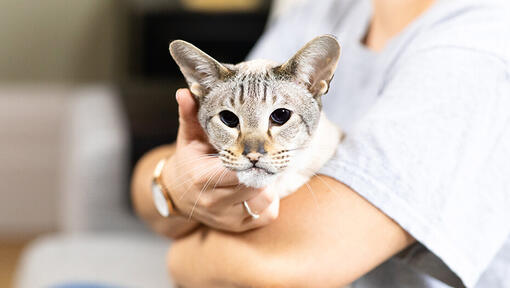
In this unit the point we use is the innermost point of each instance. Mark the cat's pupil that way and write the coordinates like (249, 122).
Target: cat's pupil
(228, 118)
(280, 116)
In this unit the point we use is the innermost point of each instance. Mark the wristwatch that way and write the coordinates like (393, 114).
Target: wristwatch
(160, 196)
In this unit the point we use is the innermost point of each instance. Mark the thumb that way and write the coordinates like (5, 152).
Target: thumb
(189, 127)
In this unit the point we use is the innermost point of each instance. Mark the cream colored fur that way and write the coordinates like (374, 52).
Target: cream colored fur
(320, 150)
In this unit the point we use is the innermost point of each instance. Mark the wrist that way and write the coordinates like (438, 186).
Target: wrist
(162, 198)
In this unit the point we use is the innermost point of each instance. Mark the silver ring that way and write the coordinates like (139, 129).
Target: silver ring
(253, 215)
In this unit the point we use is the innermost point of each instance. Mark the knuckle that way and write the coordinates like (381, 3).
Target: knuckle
(195, 178)
(267, 196)
(272, 214)
(207, 202)
(272, 217)
(268, 220)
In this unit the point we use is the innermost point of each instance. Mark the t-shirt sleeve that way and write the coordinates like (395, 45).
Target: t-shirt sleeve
(433, 154)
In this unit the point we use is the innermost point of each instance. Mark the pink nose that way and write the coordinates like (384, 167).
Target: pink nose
(253, 157)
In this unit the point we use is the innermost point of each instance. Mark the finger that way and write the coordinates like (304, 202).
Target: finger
(189, 127)
(240, 193)
(224, 198)
(188, 107)
(267, 216)
(261, 201)
(217, 174)
(235, 218)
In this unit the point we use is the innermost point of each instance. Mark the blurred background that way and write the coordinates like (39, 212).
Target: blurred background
(87, 87)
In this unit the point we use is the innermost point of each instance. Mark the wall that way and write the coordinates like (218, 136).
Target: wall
(30, 144)
(46, 46)
(60, 40)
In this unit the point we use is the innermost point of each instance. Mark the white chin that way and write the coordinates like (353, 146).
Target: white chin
(256, 178)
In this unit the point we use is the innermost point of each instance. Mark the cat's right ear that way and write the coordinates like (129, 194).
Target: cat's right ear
(314, 64)
(200, 70)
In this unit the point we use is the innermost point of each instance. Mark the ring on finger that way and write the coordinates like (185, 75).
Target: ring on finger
(248, 210)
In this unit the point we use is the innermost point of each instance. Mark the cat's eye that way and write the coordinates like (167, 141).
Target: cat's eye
(280, 116)
(228, 118)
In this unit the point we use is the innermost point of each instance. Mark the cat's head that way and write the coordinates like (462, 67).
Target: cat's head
(259, 114)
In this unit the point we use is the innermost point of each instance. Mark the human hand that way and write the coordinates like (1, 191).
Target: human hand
(202, 188)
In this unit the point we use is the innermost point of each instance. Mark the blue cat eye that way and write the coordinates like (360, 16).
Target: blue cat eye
(280, 116)
(228, 118)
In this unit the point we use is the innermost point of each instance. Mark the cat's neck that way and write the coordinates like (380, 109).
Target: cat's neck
(322, 146)
(320, 149)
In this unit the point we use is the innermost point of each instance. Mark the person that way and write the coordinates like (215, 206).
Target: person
(417, 194)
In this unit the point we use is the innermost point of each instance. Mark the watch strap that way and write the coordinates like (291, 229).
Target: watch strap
(160, 194)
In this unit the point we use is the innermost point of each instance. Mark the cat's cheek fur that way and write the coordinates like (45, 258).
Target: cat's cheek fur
(295, 137)
(223, 136)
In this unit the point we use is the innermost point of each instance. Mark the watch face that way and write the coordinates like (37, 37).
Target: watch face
(160, 200)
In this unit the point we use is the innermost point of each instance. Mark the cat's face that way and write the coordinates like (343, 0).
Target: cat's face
(258, 115)
(258, 122)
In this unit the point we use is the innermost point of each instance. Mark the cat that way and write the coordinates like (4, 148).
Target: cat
(265, 119)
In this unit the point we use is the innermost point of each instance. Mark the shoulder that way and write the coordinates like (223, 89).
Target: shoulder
(454, 41)
(297, 23)
(481, 27)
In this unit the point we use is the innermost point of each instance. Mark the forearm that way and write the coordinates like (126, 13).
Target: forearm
(141, 196)
(325, 239)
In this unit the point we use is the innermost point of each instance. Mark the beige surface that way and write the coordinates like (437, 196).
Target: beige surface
(61, 40)
(30, 131)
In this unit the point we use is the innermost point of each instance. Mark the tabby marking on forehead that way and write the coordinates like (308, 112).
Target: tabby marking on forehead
(252, 79)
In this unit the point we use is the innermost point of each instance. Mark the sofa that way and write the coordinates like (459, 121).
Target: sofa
(98, 240)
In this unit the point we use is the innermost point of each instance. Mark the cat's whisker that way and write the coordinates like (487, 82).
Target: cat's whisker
(325, 148)
(188, 161)
(326, 183)
(232, 166)
(219, 179)
(189, 187)
(198, 169)
(200, 193)
(278, 161)
(322, 180)
(193, 161)
(229, 161)
(313, 194)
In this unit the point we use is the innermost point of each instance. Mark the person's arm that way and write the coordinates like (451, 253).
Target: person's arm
(142, 198)
(326, 236)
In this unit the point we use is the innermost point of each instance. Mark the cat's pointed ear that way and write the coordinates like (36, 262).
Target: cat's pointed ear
(314, 64)
(200, 70)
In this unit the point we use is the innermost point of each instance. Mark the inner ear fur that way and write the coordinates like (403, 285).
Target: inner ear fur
(314, 64)
(201, 71)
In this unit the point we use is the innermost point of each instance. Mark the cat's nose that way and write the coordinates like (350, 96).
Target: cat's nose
(253, 157)
(253, 146)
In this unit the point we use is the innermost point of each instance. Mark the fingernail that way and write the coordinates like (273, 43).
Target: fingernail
(178, 95)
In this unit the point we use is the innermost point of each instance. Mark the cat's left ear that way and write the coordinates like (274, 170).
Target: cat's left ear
(201, 71)
(314, 64)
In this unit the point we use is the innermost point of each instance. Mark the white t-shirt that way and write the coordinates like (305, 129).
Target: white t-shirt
(428, 132)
